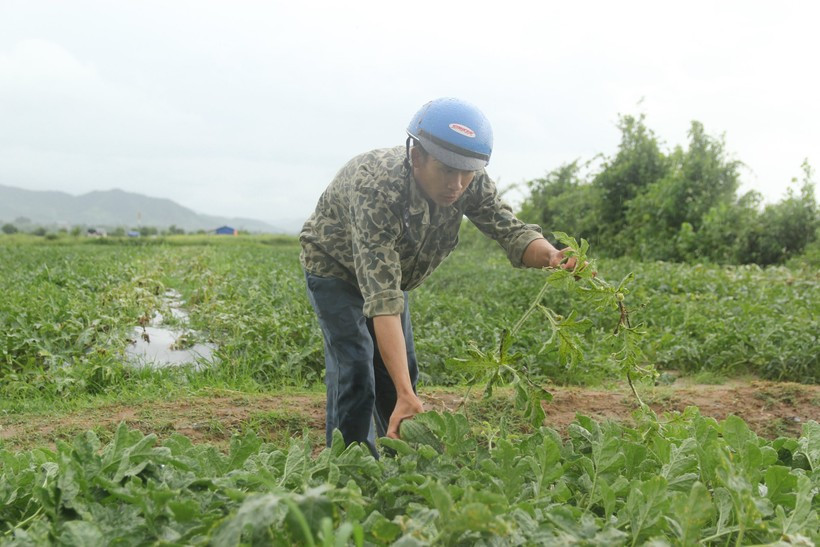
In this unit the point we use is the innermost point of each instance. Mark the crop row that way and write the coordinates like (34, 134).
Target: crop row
(687, 481)
(67, 312)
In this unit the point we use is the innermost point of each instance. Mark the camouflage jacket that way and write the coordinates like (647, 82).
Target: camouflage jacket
(374, 228)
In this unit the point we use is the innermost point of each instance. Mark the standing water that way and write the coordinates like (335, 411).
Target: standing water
(158, 345)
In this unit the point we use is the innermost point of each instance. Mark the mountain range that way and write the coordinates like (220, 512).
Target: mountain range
(114, 208)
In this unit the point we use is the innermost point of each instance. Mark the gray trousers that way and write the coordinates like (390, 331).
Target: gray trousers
(359, 389)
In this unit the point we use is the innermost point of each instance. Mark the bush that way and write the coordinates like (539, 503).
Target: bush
(680, 206)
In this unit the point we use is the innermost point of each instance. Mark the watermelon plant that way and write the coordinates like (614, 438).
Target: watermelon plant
(698, 482)
(679, 479)
(67, 310)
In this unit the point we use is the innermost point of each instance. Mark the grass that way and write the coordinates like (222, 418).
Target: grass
(789, 394)
(709, 377)
(663, 396)
(155, 406)
(497, 415)
(280, 426)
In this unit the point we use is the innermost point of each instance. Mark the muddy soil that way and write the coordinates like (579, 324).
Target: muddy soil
(771, 409)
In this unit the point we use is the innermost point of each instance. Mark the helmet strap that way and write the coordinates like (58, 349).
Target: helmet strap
(407, 152)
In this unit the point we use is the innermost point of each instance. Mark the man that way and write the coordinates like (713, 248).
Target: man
(384, 223)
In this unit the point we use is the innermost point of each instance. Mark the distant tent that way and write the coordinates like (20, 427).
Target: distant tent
(225, 231)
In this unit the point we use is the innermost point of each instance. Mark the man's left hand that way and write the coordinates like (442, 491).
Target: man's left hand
(406, 407)
(540, 253)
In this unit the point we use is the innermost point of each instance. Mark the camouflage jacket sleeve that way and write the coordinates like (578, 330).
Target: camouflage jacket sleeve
(495, 219)
(374, 231)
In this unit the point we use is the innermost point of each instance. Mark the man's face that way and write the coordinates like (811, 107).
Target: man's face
(443, 184)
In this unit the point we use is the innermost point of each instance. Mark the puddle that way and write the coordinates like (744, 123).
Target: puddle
(158, 345)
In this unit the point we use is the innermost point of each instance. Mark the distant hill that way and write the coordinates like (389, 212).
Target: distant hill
(113, 208)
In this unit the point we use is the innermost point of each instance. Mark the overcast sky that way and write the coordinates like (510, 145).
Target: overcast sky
(249, 108)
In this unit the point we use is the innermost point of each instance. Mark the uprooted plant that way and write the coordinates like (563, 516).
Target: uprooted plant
(588, 289)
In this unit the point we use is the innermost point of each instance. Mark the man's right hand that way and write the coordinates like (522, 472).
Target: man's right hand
(406, 407)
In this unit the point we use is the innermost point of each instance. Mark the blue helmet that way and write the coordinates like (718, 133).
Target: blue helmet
(455, 132)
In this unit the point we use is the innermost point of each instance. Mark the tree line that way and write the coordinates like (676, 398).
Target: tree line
(25, 226)
(679, 205)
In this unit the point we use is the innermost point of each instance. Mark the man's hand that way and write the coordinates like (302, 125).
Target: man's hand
(558, 259)
(390, 339)
(541, 254)
(406, 407)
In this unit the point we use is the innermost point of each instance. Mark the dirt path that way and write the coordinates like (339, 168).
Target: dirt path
(771, 409)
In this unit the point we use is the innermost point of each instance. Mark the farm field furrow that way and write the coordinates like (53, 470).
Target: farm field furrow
(771, 410)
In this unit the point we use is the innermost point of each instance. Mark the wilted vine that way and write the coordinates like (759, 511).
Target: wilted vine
(588, 289)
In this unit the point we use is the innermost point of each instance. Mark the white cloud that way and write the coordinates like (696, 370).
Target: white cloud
(248, 109)
(53, 101)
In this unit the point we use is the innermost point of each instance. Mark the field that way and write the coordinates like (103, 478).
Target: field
(534, 434)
